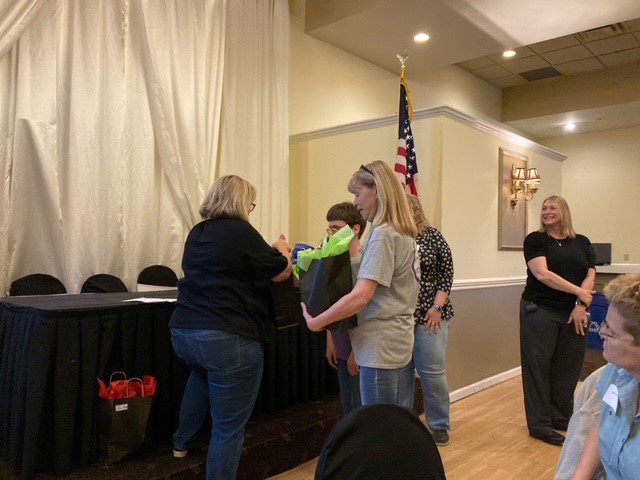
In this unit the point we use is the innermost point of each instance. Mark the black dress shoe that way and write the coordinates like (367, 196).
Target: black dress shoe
(550, 436)
(560, 426)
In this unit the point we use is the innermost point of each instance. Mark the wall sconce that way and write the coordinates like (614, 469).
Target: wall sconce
(525, 181)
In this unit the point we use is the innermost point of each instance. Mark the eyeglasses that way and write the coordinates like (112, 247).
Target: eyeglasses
(252, 207)
(365, 169)
(603, 335)
(333, 230)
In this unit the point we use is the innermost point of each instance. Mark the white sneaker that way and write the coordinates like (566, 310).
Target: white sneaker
(180, 453)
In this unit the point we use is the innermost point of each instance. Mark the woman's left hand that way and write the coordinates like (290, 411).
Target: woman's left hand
(311, 321)
(433, 320)
(579, 318)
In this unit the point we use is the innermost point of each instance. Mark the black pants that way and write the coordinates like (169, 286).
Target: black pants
(551, 354)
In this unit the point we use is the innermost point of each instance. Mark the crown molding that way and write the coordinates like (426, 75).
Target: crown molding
(485, 125)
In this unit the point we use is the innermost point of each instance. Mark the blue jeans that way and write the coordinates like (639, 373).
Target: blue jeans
(381, 385)
(349, 388)
(226, 370)
(429, 353)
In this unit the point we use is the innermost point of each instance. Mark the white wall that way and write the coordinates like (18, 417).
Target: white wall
(601, 182)
(330, 87)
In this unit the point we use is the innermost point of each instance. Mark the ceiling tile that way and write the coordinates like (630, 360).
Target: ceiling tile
(491, 72)
(476, 63)
(565, 55)
(632, 25)
(521, 52)
(621, 58)
(613, 44)
(554, 44)
(526, 64)
(508, 81)
(579, 66)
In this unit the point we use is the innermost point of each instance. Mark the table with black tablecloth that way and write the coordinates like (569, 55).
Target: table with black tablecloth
(52, 349)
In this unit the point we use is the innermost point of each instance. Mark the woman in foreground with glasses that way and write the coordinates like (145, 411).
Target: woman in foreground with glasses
(386, 291)
(614, 443)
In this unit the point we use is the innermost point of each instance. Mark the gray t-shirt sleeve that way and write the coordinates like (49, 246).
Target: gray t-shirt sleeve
(377, 260)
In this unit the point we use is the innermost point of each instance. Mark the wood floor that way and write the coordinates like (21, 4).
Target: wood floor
(489, 441)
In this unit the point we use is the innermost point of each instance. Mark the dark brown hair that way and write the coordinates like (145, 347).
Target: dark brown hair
(347, 212)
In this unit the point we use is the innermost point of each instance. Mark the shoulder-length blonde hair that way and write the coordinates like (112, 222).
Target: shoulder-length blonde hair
(393, 208)
(418, 213)
(230, 196)
(623, 293)
(566, 226)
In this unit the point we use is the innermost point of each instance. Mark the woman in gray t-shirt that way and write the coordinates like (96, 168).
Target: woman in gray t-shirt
(386, 291)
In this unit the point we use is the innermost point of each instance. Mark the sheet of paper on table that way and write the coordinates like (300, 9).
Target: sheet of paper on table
(151, 300)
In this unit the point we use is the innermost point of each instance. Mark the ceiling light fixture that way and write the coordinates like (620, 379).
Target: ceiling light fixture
(570, 127)
(509, 53)
(421, 37)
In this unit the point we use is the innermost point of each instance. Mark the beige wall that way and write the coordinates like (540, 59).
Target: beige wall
(470, 200)
(601, 182)
(330, 87)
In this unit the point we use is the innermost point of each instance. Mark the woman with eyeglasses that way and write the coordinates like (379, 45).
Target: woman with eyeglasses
(219, 322)
(553, 319)
(614, 441)
(386, 290)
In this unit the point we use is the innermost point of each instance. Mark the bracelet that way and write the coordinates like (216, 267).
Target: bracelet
(440, 308)
(580, 303)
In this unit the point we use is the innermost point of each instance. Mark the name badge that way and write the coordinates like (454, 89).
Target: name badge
(611, 397)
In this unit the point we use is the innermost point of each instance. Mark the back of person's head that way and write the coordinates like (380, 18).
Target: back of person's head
(348, 213)
(393, 208)
(230, 196)
(623, 293)
(418, 213)
(380, 442)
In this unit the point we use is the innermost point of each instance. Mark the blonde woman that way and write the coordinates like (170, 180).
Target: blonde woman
(553, 319)
(218, 325)
(385, 292)
(432, 316)
(614, 442)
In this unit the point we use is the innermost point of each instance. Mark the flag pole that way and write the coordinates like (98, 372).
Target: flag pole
(403, 60)
(406, 166)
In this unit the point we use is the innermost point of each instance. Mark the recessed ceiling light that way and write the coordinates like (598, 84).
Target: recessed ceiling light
(570, 127)
(421, 37)
(509, 53)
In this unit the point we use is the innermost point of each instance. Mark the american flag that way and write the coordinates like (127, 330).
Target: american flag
(406, 165)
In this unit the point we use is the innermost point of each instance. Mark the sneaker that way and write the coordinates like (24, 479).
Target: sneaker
(177, 453)
(441, 437)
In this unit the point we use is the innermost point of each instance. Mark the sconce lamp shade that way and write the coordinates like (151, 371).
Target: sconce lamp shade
(519, 174)
(532, 174)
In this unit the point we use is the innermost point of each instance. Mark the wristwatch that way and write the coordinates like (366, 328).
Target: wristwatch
(580, 303)
(440, 308)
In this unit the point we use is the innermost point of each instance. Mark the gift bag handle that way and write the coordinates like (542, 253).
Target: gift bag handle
(137, 380)
(111, 377)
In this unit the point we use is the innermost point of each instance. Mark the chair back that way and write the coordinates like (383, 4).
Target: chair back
(380, 442)
(156, 277)
(36, 284)
(103, 283)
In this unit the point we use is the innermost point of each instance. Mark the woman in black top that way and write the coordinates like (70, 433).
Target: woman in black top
(553, 319)
(218, 325)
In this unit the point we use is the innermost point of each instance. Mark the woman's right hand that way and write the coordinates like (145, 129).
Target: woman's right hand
(585, 296)
(332, 356)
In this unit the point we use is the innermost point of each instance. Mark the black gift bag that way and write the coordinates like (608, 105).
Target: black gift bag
(123, 424)
(324, 283)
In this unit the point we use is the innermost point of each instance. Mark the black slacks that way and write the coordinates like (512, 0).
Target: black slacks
(551, 355)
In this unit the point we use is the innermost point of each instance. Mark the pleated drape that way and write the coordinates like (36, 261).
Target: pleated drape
(117, 115)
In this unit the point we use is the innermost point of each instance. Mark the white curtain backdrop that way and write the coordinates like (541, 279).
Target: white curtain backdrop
(112, 128)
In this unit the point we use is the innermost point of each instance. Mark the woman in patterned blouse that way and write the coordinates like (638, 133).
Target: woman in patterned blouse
(432, 316)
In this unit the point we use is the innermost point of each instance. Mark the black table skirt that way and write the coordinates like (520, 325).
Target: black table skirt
(54, 347)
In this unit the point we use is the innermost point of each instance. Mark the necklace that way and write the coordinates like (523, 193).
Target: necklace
(558, 240)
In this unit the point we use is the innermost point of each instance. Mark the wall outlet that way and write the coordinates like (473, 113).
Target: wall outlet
(625, 257)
